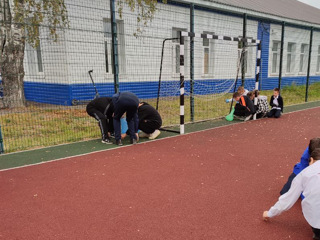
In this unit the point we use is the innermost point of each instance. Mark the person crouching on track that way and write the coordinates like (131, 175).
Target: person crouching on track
(149, 121)
(244, 108)
(306, 182)
(125, 102)
(102, 109)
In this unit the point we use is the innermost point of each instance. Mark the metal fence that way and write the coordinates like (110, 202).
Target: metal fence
(102, 52)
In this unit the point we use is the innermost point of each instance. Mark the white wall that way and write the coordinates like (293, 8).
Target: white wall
(298, 37)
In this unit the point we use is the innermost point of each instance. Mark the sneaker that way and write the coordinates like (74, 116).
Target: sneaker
(106, 141)
(142, 134)
(119, 142)
(155, 134)
(133, 141)
(241, 118)
(248, 118)
(112, 135)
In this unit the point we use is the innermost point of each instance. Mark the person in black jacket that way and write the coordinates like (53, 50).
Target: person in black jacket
(276, 103)
(102, 109)
(148, 121)
(125, 102)
(244, 107)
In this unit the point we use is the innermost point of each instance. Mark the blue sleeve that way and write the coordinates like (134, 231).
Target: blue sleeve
(304, 162)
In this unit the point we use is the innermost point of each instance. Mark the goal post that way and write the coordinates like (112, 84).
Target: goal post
(184, 35)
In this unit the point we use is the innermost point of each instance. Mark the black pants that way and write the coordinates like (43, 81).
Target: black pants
(274, 113)
(287, 186)
(125, 102)
(241, 111)
(316, 232)
(105, 123)
(149, 126)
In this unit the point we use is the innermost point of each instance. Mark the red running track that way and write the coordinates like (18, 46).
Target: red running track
(213, 184)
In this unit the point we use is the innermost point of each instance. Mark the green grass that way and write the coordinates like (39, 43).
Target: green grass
(45, 125)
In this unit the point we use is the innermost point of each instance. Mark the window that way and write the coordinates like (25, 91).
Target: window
(303, 58)
(108, 46)
(176, 51)
(34, 59)
(208, 60)
(318, 60)
(290, 57)
(39, 58)
(275, 56)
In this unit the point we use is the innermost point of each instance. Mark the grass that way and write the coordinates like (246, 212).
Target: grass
(45, 125)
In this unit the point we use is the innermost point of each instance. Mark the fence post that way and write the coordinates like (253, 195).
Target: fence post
(114, 46)
(281, 54)
(244, 62)
(191, 63)
(1, 142)
(309, 62)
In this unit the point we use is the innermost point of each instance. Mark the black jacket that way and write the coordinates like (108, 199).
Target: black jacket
(246, 108)
(280, 102)
(103, 105)
(148, 113)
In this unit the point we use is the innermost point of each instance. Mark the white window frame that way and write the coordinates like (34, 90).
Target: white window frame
(34, 59)
(303, 61)
(290, 64)
(176, 53)
(275, 57)
(208, 45)
(107, 45)
(249, 59)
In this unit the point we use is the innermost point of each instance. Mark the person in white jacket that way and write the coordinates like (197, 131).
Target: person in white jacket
(307, 182)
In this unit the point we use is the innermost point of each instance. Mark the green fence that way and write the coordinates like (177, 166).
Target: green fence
(45, 87)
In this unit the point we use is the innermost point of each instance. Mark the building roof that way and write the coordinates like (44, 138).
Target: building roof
(282, 8)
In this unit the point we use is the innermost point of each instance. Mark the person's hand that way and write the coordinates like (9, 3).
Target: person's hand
(123, 136)
(265, 216)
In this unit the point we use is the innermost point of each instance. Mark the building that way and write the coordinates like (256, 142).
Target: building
(57, 73)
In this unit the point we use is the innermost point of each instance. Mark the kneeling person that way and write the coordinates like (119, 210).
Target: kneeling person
(244, 107)
(149, 121)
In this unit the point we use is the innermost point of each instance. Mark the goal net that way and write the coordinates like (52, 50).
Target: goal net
(202, 80)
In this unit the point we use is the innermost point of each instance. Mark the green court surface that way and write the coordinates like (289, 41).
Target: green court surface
(37, 156)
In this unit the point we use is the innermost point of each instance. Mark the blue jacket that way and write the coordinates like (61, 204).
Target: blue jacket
(304, 162)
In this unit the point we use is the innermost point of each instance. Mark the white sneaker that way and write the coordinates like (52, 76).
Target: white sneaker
(155, 134)
(142, 134)
(248, 118)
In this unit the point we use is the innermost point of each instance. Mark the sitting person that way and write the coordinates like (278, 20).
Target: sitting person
(149, 121)
(244, 108)
(304, 162)
(276, 103)
(307, 182)
(262, 105)
(240, 90)
(102, 109)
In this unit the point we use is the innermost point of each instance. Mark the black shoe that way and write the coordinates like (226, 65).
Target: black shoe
(133, 141)
(106, 141)
(112, 135)
(119, 142)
